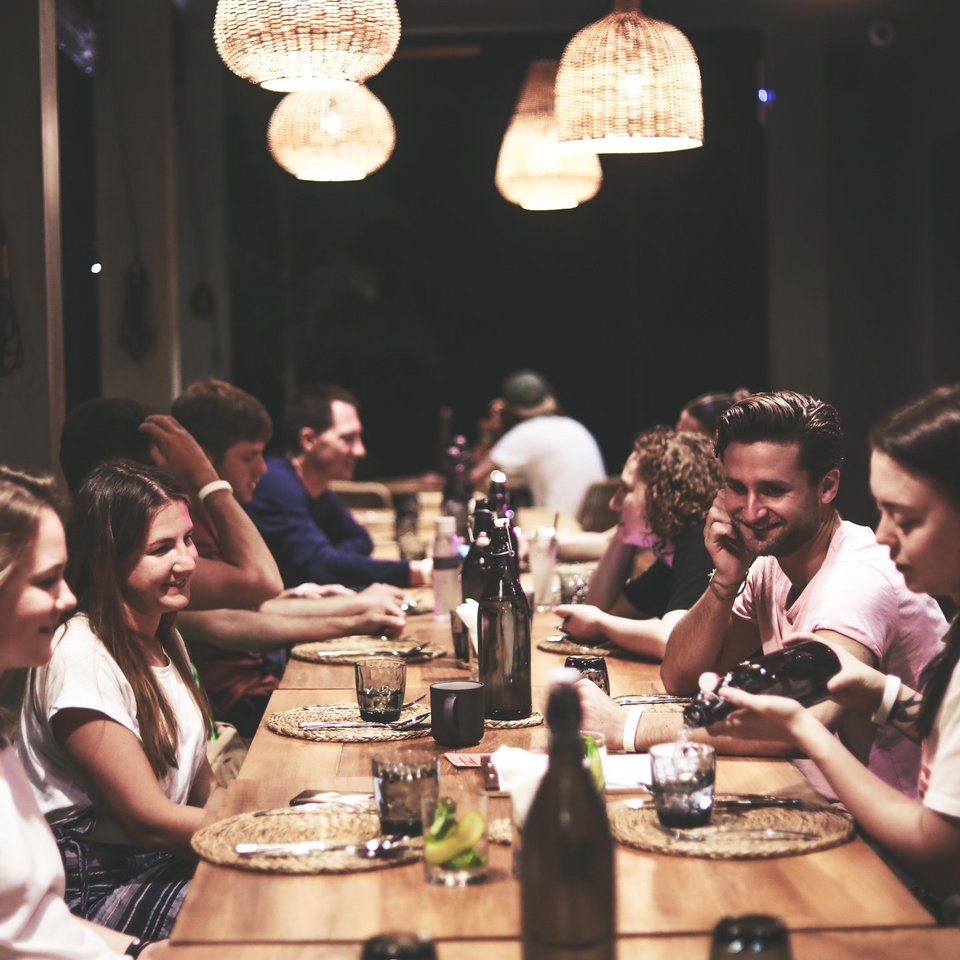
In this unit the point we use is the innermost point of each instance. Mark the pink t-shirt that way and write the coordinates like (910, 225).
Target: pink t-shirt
(857, 592)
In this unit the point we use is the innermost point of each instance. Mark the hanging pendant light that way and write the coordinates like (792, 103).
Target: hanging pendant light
(629, 84)
(306, 44)
(331, 134)
(533, 171)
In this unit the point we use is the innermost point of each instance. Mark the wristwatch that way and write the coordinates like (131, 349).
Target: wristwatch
(136, 946)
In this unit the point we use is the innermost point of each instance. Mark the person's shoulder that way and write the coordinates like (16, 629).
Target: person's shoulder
(855, 547)
(77, 643)
(279, 480)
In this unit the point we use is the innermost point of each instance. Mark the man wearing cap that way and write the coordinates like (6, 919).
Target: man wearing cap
(555, 455)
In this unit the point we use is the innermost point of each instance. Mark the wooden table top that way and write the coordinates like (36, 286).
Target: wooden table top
(666, 905)
(905, 943)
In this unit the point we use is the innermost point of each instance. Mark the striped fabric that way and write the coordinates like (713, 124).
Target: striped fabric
(132, 890)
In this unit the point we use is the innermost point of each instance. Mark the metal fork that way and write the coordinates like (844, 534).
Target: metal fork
(343, 724)
(352, 706)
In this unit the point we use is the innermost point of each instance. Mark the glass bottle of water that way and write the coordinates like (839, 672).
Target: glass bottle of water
(446, 568)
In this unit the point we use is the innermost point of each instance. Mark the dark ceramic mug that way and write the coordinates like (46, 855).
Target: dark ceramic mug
(456, 712)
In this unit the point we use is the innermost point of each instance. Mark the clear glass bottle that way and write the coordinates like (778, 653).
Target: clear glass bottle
(800, 671)
(446, 568)
(503, 635)
(568, 897)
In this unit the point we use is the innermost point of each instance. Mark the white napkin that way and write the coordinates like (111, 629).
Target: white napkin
(520, 773)
(467, 612)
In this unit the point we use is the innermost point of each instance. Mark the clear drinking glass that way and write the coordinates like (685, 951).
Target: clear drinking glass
(683, 779)
(381, 682)
(542, 553)
(402, 778)
(455, 846)
(591, 668)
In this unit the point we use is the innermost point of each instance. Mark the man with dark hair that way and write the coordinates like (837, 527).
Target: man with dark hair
(785, 562)
(113, 428)
(532, 440)
(312, 536)
(231, 647)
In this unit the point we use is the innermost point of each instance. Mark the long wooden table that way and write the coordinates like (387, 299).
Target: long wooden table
(836, 902)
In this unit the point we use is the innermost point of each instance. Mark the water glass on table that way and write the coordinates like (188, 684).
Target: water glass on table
(542, 554)
(403, 777)
(591, 668)
(381, 683)
(683, 776)
(455, 842)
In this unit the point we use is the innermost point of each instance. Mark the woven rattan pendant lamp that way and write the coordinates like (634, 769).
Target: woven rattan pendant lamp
(331, 134)
(629, 84)
(306, 44)
(533, 171)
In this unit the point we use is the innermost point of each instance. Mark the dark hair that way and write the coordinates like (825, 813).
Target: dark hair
(105, 428)
(23, 498)
(924, 437)
(706, 408)
(108, 531)
(218, 414)
(312, 407)
(682, 476)
(786, 417)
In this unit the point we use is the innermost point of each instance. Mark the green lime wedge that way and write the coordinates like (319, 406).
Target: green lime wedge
(458, 839)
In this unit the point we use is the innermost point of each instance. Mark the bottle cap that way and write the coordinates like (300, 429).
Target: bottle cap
(446, 524)
(498, 476)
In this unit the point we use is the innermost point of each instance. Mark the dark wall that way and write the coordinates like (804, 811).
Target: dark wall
(421, 286)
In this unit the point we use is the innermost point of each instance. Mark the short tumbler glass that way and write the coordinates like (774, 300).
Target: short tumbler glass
(591, 668)
(683, 779)
(455, 851)
(402, 778)
(381, 682)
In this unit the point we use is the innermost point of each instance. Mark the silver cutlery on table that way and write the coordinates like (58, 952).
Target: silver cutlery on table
(758, 833)
(746, 801)
(405, 652)
(641, 698)
(352, 706)
(407, 724)
(371, 849)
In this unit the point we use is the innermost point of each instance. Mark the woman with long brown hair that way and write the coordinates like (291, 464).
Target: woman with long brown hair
(34, 599)
(114, 728)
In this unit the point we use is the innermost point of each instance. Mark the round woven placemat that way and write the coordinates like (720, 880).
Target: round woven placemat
(534, 720)
(721, 841)
(360, 648)
(216, 842)
(287, 724)
(568, 648)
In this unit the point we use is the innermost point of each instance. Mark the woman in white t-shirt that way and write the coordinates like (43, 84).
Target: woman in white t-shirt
(915, 479)
(113, 729)
(35, 923)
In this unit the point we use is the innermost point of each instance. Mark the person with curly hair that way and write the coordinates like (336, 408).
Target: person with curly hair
(666, 488)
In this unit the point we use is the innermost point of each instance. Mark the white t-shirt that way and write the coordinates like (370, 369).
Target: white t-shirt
(857, 592)
(35, 923)
(556, 456)
(82, 674)
(940, 767)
